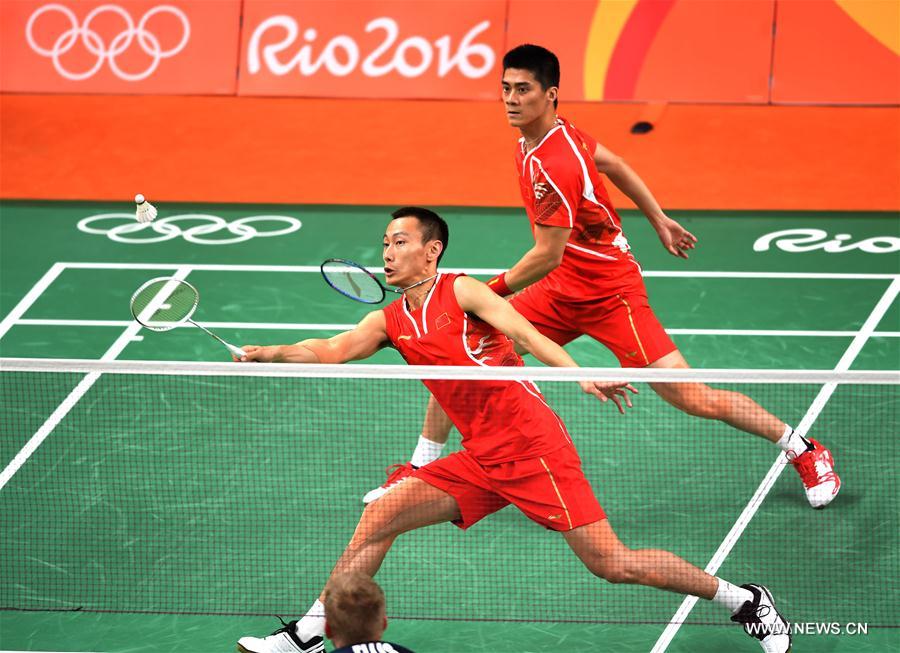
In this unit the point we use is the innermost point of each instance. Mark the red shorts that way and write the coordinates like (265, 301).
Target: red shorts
(623, 323)
(551, 490)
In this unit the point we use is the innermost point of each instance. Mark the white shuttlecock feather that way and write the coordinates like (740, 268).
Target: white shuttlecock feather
(145, 211)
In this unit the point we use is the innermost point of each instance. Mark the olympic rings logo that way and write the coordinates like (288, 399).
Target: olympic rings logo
(95, 44)
(167, 228)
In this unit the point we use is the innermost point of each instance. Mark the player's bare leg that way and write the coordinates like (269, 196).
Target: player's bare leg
(812, 461)
(437, 425)
(699, 399)
(601, 551)
(414, 505)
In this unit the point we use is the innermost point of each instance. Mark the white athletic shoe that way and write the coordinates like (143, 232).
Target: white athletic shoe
(762, 621)
(396, 475)
(816, 468)
(283, 640)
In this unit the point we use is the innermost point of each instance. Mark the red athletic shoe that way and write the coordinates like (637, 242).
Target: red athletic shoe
(396, 475)
(816, 469)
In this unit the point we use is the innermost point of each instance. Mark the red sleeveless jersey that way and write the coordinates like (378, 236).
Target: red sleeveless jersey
(499, 421)
(561, 187)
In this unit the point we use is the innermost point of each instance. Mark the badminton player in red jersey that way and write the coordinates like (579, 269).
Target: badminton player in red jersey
(516, 450)
(580, 278)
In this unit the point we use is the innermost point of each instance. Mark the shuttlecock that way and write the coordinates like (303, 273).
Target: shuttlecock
(145, 211)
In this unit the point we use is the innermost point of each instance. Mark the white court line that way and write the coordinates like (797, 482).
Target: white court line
(213, 267)
(73, 398)
(25, 303)
(16, 314)
(780, 333)
(780, 463)
(224, 267)
(293, 326)
(314, 326)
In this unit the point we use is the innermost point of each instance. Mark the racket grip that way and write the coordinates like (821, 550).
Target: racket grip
(237, 351)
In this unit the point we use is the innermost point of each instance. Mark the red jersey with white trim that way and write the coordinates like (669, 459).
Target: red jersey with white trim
(499, 421)
(561, 187)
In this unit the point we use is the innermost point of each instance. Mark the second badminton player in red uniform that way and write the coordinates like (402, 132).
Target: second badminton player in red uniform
(580, 278)
(516, 450)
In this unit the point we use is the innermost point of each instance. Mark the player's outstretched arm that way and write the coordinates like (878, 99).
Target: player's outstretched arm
(675, 238)
(475, 297)
(365, 339)
(536, 263)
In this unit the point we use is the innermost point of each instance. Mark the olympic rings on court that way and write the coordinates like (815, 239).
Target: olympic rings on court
(167, 228)
(98, 47)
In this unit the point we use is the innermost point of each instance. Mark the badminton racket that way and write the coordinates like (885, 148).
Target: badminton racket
(164, 303)
(356, 282)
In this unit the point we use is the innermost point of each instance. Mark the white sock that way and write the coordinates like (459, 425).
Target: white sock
(313, 623)
(426, 451)
(731, 596)
(792, 443)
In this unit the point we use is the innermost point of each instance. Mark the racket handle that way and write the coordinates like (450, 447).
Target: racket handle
(237, 351)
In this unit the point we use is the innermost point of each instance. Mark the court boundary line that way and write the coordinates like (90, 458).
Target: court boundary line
(33, 294)
(698, 274)
(314, 326)
(768, 482)
(128, 335)
(14, 317)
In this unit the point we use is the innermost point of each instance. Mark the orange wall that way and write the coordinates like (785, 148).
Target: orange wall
(837, 51)
(135, 46)
(727, 51)
(236, 149)
(653, 50)
(389, 48)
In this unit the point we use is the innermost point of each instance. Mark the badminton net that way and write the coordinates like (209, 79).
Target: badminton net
(233, 489)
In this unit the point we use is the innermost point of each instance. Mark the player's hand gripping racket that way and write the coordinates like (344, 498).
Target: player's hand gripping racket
(354, 281)
(164, 303)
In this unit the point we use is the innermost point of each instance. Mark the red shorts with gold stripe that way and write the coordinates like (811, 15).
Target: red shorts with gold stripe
(551, 490)
(624, 323)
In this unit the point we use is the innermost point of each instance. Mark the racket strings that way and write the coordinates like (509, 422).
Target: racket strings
(163, 304)
(353, 281)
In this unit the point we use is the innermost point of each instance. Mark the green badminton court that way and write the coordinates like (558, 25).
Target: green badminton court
(180, 513)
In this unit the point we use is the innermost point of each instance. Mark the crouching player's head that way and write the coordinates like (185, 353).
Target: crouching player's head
(414, 242)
